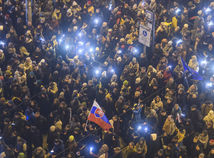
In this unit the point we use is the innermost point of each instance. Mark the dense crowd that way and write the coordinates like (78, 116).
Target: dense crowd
(74, 52)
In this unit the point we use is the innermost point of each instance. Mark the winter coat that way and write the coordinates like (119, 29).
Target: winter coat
(209, 117)
(169, 127)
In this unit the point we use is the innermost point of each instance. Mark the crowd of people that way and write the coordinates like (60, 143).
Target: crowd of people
(158, 99)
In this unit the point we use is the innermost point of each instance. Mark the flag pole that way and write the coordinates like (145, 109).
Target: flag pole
(86, 124)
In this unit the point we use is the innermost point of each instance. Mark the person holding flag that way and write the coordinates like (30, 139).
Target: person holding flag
(97, 116)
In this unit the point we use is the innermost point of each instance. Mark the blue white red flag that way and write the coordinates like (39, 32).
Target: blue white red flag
(97, 116)
(194, 75)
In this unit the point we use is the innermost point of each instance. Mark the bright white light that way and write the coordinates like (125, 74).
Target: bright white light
(97, 72)
(210, 23)
(112, 70)
(203, 62)
(139, 128)
(170, 66)
(177, 10)
(91, 149)
(42, 39)
(183, 115)
(135, 50)
(119, 51)
(81, 43)
(0, 138)
(146, 129)
(208, 10)
(96, 21)
(67, 47)
(60, 40)
(110, 6)
(52, 151)
(80, 34)
(2, 43)
(80, 51)
(209, 84)
(179, 41)
(91, 50)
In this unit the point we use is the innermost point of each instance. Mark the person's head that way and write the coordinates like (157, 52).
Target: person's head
(176, 106)
(163, 113)
(131, 145)
(37, 114)
(141, 141)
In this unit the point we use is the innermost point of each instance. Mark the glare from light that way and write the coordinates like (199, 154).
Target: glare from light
(0, 138)
(177, 10)
(135, 50)
(91, 149)
(67, 47)
(97, 72)
(110, 6)
(96, 21)
(112, 70)
(210, 23)
(42, 39)
(208, 10)
(81, 43)
(146, 129)
(119, 51)
(60, 40)
(2, 43)
(91, 50)
(143, 3)
(80, 51)
(170, 66)
(52, 151)
(139, 128)
(179, 41)
(209, 84)
(183, 115)
(80, 34)
(203, 62)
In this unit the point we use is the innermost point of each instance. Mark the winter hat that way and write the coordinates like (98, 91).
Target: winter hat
(186, 25)
(74, 3)
(52, 128)
(71, 138)
(21, 155)
(119, 59)
(201, 155)
(84, 84)
(125, 83)
(58, 125)
(137, 81)
(154, 136)
(200, 12)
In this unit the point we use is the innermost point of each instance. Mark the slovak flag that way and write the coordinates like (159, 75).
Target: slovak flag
(97, 116)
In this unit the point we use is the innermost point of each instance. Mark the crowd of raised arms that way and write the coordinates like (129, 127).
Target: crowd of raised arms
(158, 99)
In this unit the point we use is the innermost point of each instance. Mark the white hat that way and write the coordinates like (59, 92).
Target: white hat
(74, 3)
(119, 59)
(137, 81)
(186, 25)
(200, 12)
